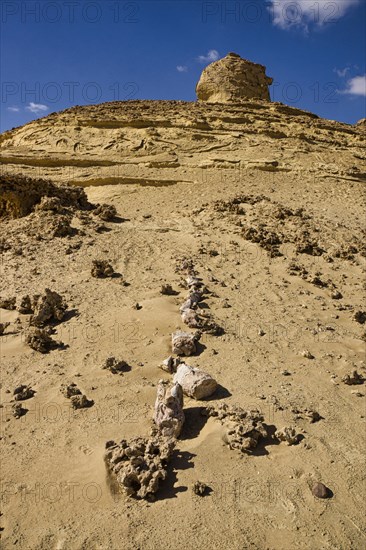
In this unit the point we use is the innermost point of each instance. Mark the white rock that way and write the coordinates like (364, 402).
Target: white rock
(194, 382)
(184, 343)
(169, 415)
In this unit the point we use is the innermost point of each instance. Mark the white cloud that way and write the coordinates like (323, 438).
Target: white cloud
(341, 72)
(212, 55)
(13, 109)
(356, 86)
(36, 107)
(182, 68)
(304, 13)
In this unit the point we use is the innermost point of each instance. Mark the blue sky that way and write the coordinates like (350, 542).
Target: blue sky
(55, 54)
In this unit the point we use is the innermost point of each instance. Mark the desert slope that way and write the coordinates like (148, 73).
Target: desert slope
(267, 202)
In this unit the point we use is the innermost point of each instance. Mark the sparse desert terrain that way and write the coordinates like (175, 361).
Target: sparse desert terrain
(265, 204)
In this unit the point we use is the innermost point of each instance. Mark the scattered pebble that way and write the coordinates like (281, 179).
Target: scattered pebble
(116, 366)
(353, 379)
(102, 269)
(319, 490)
(23, 392)
(167, 290)
(289, 435)
(81, 402)
(18, 410)
(200, 489)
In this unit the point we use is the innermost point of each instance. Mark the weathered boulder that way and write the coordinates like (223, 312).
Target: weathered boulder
(139, 464)
(232, 79)
(195, 382)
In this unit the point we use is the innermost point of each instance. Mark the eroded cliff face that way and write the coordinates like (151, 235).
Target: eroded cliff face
(163, 143)
(233, 79)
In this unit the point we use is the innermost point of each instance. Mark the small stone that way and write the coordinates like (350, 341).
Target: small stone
(289, 435)
(360, 317)
(18, 410)
(39, 340)
(23, 392)
(3, 327)
(200, 488)
(106, 212)
(307, 354)
(69, 390)
(7, 303)
(170, 364)
(167, 290)
(81, 402)
(313, 416)
(116, 366)
(102, 269)
(319, 490)
(184, 343)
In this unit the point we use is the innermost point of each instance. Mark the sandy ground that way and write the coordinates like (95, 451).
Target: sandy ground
(55, 490)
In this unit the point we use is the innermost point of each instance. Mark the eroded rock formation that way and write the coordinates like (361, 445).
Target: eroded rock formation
(232, 79)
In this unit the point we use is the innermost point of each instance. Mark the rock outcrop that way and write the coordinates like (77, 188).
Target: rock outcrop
(232, 79)
(20, 195)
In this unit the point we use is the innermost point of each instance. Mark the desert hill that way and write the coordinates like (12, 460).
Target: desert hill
(110, 215)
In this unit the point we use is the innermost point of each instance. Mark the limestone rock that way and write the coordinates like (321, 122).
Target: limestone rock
(170, 364)
(243, 429)
(19, 195)
(81, 402)
(78, 400)
(18, 410)
(169, 415)
(102, 269)
(106, 212)
(199, 488)
(195, 382)
(140, 464)
(3, 327)
(232, 79)
(288, 434)
(23, 392)
(69, 390)
(184, 343)
(353, 379)
(167, 290)
(46, 308)
(116, 366)
(7, 303)
(39, 340)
